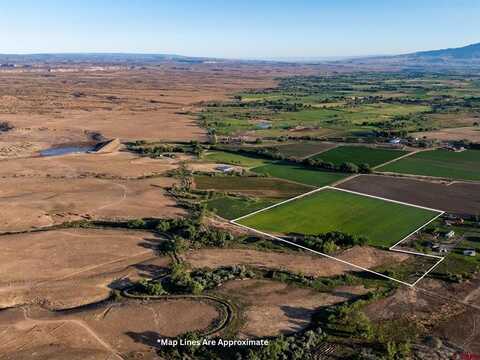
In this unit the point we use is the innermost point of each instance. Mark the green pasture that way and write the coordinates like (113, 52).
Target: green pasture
(463, 165)
(382, 222)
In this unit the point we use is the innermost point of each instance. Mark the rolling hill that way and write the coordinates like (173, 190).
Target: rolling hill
(462, 57)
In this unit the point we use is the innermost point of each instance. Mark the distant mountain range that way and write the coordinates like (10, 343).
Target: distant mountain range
(469, 52)
(93, 58)
(461, 57)
(457, 58)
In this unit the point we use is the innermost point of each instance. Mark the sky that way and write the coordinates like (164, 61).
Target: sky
(246, 29)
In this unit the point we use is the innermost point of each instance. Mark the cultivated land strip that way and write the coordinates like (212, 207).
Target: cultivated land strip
(401, 157)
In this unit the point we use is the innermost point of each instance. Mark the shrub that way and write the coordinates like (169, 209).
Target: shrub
(349, 167)
(151, 287)
(136, 224)
(5, 126)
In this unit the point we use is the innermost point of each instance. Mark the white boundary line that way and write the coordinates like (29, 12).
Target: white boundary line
(391, 248)
(385, 199)
(413, 232)
(320, 253)
(280, 203)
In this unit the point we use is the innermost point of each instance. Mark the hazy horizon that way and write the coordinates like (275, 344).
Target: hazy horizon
(265, 30)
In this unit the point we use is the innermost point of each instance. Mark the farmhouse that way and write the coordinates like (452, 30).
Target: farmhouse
(455, 148)
(449, 234)
(440, 248)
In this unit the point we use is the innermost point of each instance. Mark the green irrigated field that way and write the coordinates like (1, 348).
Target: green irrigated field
(346, 104)
(299, 174)
(359, 155)
(383, 223)
(301, 149)
(233, 207)
(256, 186)
(463, 165)
(224, 157)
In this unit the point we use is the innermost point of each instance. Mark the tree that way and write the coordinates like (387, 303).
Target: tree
(195, 287)
(136, 224)
(180, 244)
(349, 167)
(185, 176)
(273, 351)
(151, 287)
(163, 226)
(5, 126)
(329, 247)
(365, 168)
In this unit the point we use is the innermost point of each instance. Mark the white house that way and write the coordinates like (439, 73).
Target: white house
(395, 141)
(450, 234)
(225, 168)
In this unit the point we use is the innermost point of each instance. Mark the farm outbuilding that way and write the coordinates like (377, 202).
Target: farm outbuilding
(225, 168)
(449, 234)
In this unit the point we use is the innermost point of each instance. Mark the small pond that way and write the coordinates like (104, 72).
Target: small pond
(66, 150)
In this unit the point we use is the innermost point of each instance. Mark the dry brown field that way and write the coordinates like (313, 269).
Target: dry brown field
(71, 267)
(106, 331)
(439, 307)
(35, 202)
(471, 133)
(122, 165)
(313, 265)
(273, 308)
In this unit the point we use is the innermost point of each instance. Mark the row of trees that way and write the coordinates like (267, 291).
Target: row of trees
(332, 241)
(273, 105)
(346, 167)
(155, 151)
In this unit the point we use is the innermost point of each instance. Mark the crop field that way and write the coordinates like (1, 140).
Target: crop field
(224, 157)
(463, 165)
(376, 113)
(359, 155)
(301, 149)
(255, 186)
(299, 174)
(457, 198)
(383, 223)
(232, 207)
